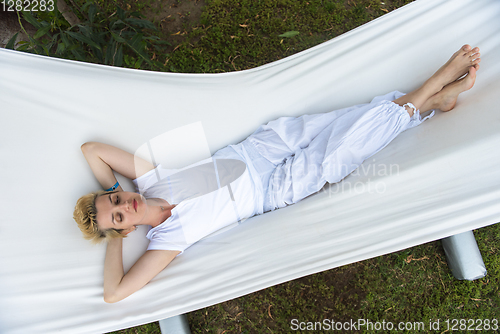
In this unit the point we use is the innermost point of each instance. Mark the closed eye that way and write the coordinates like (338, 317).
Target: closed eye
(112, 216)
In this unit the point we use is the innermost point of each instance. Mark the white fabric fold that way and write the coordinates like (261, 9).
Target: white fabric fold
(416, 118)
(438, 179)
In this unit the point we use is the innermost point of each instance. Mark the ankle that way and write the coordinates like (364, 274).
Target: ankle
(431, 103)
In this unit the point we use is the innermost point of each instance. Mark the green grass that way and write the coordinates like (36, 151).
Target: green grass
(411, 285)
(234, 35)
(239, 35)
(408, 286)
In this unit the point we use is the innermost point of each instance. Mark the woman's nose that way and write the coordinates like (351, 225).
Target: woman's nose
(125, 205)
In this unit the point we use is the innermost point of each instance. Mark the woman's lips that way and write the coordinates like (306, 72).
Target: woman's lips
(135, 205)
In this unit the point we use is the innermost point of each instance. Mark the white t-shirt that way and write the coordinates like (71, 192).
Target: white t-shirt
(210, 195)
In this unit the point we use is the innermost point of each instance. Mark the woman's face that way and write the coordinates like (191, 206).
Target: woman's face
(120, 210)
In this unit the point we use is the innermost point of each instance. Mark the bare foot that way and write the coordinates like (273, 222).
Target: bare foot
(431, 94)
(446, 99)
(457, 66)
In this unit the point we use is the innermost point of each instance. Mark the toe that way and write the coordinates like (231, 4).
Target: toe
(473, 54)
(473, 51)
(470, 78)
(466, 48)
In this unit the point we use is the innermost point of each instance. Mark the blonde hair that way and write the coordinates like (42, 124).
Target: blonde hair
(85, 216)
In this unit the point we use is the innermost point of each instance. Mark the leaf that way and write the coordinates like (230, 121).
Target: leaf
(140, 23)
(50, 45)
(72, 47)
(138, 63)
(110, 49)
(83, 39)
(31, 19)
(11, 43)
(84, 7)
(65, 40)
(100, 37)
(128, 60)
(94, 37)
(92, 12)
(79, 55)
(118, 58)
(41, 32)
(289, 34)
(60, 48)
(46, 50)
(85, 30)
(116, 24)
(135, 42)
(138, 45)
(23, 47)
(118, 38)
(33, 41)
(120, 12)
(98, 54)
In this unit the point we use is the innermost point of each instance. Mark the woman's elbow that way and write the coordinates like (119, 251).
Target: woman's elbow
(86, 147)
(90, 148)
(114, 296)
(90, 145)
(110, 298)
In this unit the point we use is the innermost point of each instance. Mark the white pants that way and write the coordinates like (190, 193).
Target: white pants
(304, 153)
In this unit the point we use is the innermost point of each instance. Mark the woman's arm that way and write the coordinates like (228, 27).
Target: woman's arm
(118, 286)
(103, 159)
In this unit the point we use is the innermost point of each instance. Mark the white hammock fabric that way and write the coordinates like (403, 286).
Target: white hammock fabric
(446, 178)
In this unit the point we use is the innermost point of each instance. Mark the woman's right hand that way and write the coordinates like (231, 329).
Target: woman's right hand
(103, 159)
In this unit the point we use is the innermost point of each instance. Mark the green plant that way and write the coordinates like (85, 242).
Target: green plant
(120, 39)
